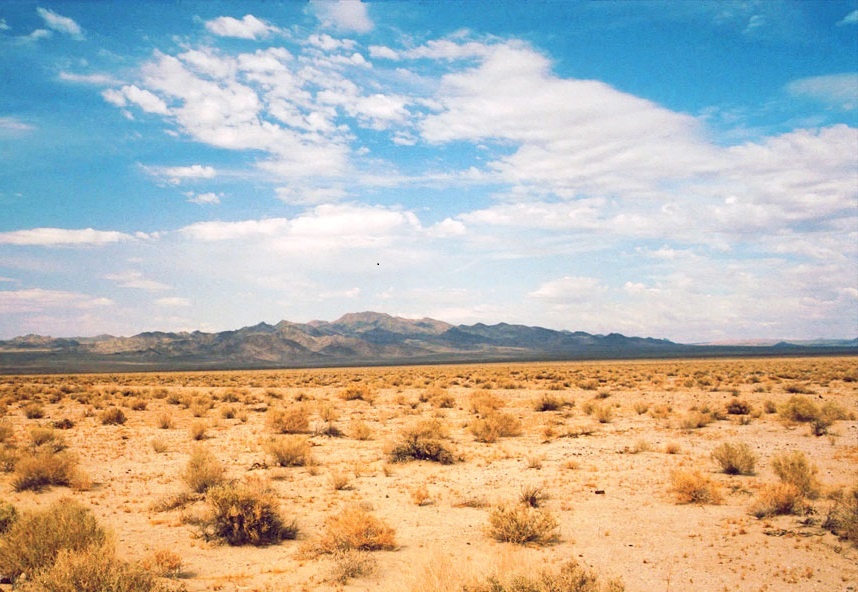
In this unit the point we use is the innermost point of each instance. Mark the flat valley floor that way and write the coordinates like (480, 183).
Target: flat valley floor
(619, 455)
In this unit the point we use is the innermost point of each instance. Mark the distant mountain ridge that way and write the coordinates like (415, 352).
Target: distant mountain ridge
(364, 338)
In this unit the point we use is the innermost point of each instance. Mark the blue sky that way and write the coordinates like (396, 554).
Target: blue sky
(686, 170)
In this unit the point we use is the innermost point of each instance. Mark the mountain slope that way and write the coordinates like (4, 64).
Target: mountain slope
(355, 339)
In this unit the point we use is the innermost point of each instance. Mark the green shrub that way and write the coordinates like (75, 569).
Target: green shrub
(735, 459)
(246, 514)
(34, 541)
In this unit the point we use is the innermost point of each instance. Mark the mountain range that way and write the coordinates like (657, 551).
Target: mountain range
(366, 338)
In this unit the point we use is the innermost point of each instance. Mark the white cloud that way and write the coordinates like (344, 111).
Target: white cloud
(95, 79)
(382, 52)
(62, 24)
(570, 289)
(50, 237)
(175, 175)
(348, 15)
(3, 25)
(136, 280)
(204, 198)
(173, 302)
(13, 126)
(310, 195)
(849, 19)
(447, 228)
(218, 231)
(147, 101)
(35, 300)
(248, 27)
(837, 90)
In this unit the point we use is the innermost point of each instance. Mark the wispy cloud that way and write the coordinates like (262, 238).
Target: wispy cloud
(52, 237)
(836, 90)
(94, 79)
(39, 300)
(10, 126)
(849, 19)
(60, 23)
(136, 279)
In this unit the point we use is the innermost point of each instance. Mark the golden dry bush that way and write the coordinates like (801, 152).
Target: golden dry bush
(799, 408)
(35, 540)
(291, 450)
(42, 468)
(246, 513)
(795, 469)
(777, 499)
(483, 402)
(497, 424)
(571, 577)
(424, 441)
(203, 471)
(360, 430)
(358, 392)
(112, 416)
(522, 525)
(294, 420)
(735, 458)
(692, 487)
(164, 563)
(842, 519)
(358, 529)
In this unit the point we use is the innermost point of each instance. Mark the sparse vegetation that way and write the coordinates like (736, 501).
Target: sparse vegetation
(246, 513)
(203, 471)
(354, 528)
(692, 487)
(735, 458)
(522, 525)
(571, 577)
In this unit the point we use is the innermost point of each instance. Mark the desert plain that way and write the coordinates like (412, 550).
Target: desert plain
(471, 477)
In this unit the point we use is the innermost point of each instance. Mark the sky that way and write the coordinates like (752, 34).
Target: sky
(680, 170)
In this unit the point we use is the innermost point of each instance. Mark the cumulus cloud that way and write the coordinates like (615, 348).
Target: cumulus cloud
(305, 195)
(60, 23)
(347, 15)
(147, 101)
(837, 90)
(51, 237)
(35, 300)
(175, 175)
(173, 302)
(248, 27)
(204, 198)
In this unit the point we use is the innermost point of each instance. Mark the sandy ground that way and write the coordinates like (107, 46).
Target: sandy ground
(608, 483)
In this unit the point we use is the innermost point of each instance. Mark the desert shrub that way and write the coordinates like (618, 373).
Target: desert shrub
(548, 402)
(112, 416)
(138, 404)
(738, 407)
(735, 459)
(842, 520)
(93, 569)
(46, 439)
(357, 529)
(63, 424)
(359, 430)
(692, 487)
(33, 542)
(352, 563)
(694, 420)
(295, 420)
(483, 402)
(522, 525)
(496, 424)
(425, 441)
(246, 513)
(165, 420)
(799, 409)
(641, 407)
(198, 430)
(357, 392)
(203, 471)
(604, 413)
(828, 414)
(163, 563)
(571, 577)
(37, 470)
(34, 411)
(794, 468)
(532, 495)
(289, 451)
(777, 499)
(8, 516)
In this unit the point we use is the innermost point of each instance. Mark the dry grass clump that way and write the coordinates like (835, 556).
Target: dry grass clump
(34, 411)
(198, 430)
(778, 499)
(92, 569)
(799, 409)
(739, 407)
(8, 516)
(438, 397)
(735, 458)
(163, 563)
(522, 525)
(112, 416)
(358, 392)
(203, 471)
(295, 420)
(360, 430)
(289, 451)
(695, 420)
(571, 577)
(165, 421)
(483, 402)
(549, 402)
(354, 528)
(692, 487)
(44, 467)
(532, 495)
(496, 424)
(842, 520)
(425, 441)
(246, 513)
(793, 468)
(34, 541)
